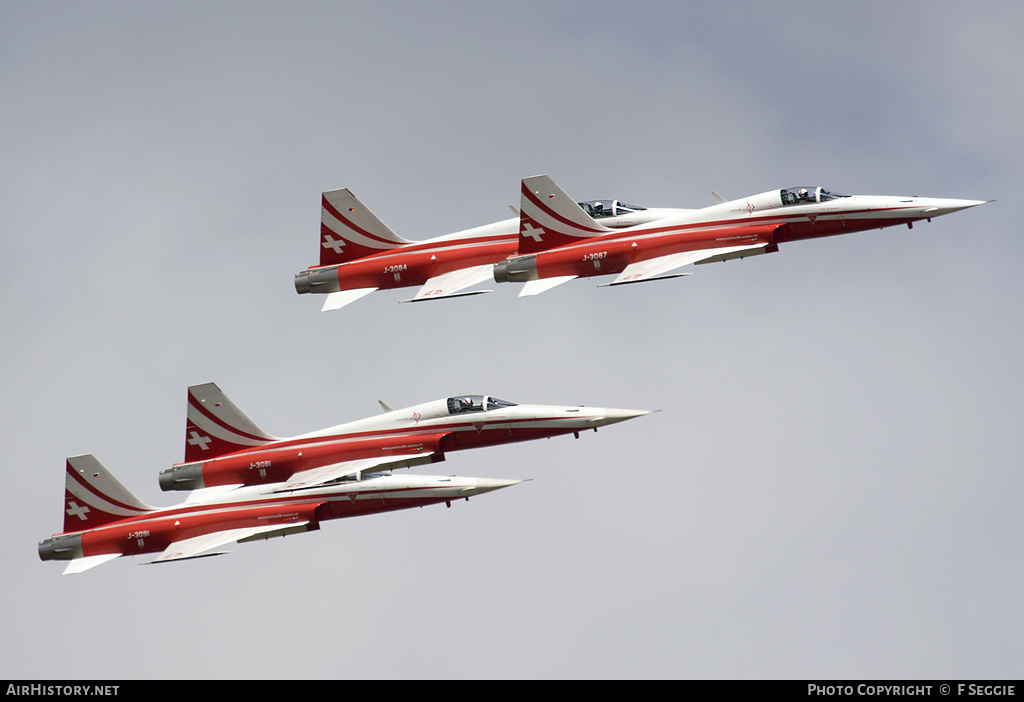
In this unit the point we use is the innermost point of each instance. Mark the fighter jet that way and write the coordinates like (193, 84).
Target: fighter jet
(248, 485)
(558, 242)
(360, 254)
(103, 520)
(224, 447)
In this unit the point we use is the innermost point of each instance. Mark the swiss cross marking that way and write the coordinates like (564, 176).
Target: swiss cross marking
(76, 510)
(194, 439)
(533, 232)
(332, 243)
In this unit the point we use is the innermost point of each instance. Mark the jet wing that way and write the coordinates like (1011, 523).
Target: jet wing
(314, 477)
(656, 268)
(197, 546)
(449, 284)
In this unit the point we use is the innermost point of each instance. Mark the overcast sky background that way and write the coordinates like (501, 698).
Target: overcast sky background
(833, 487)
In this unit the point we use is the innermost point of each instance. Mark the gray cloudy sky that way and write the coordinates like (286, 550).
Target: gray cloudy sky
(833, 487)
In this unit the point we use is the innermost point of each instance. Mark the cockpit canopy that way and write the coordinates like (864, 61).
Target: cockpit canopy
(475, 403)
(803, 194)
(608, 208)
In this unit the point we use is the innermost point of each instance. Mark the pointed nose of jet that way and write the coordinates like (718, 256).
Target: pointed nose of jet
(481, 485)
(604, 417)
(936, 207)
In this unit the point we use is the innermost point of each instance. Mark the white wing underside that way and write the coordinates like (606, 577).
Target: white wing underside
(198, 546)
(656, 268)
(305, 479)
(450, 284)
(437, 288)
(652, 269)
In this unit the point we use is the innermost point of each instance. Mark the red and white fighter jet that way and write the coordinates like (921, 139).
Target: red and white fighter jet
(558, 242)
(360, 254)
(224, 447)
(248, 485)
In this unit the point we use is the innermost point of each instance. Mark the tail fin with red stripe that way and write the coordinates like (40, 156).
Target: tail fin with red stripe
(349, 230)
(549, 218)
(214, 425)
(94, 497)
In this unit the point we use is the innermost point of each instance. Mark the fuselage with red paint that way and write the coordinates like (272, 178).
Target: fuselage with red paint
(410, 436)
(769, 219)
(275, 510)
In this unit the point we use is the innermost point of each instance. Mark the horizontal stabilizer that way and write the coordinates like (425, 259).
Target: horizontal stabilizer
(209, 494)
(450, 284)
(80, 565)
(337, 300)
(536, 287)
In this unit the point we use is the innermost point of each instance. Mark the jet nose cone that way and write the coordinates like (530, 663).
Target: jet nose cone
(482, 485)
(603, 417)
(934, 207)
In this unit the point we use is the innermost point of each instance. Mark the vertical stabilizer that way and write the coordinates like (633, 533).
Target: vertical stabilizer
(549, 218)
(214, 425)
(349, 230)
(94, 497)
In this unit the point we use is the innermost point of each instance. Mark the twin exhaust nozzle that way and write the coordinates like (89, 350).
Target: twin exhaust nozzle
(325, 280)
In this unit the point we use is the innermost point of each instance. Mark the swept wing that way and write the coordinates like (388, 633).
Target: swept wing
(451, 284)
(658, 268)
(315, 477)
(198, 546)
